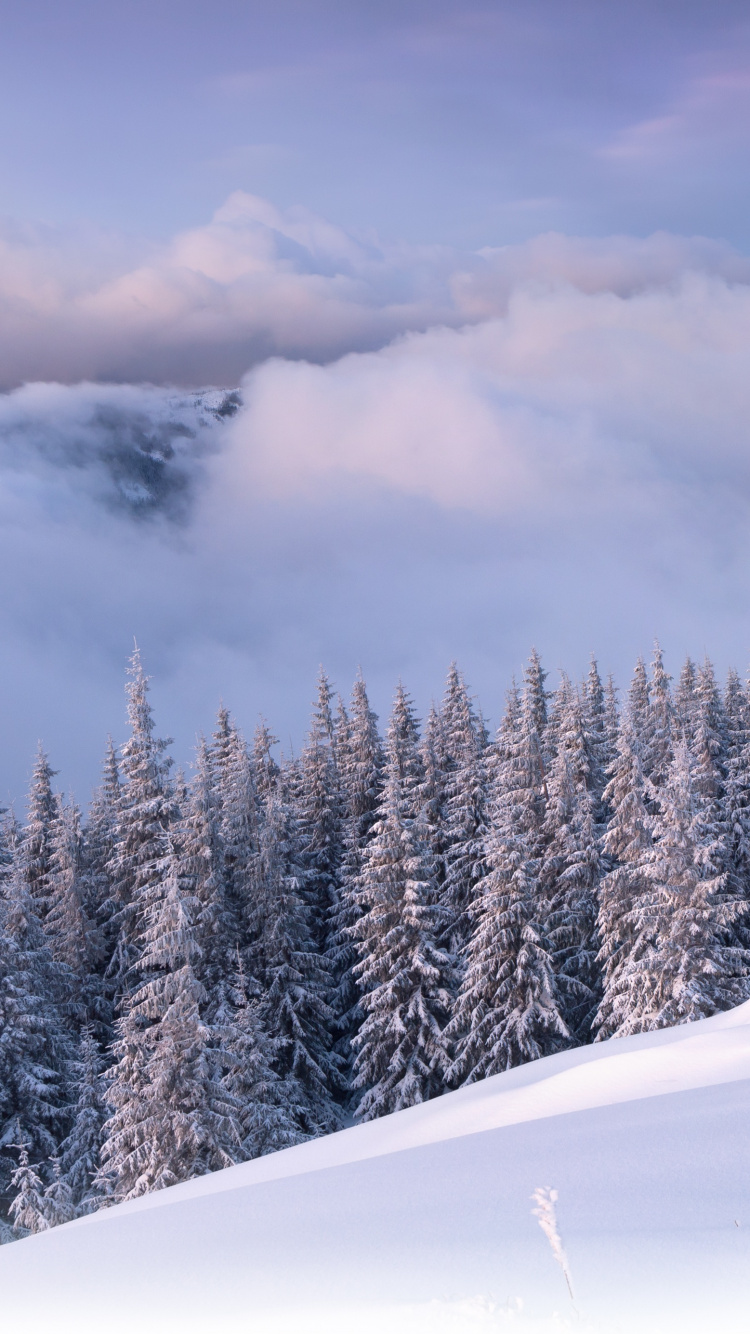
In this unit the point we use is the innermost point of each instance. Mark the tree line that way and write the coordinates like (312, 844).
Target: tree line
(205, 971)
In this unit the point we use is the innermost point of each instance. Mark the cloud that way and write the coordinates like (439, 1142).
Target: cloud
(568, 465)
(709, 114)
(256, 282)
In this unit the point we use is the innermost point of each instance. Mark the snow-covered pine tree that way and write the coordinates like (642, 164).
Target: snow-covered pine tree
(694, 968)
(685, 700)
(146, 811)
(737, 790)
(99, 837)
(360, 765)
(73, 938)
(594, 720)
(571, 865)
(35, 1045)
(626, 937)
(267, 1111)
(80, 1150)
(237, 806)
(57, 1202)
(465, 794)
(318, 803)
(509, 1008)
(639, 700)
(37, 834)
(402, 1054)
(171, 1117)
(295, 978)
(27, 1206)
(202, 868)
(656, 740)
(265, 769)
(611, 719)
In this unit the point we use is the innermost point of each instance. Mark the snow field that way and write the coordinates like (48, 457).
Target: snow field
(422, 1221)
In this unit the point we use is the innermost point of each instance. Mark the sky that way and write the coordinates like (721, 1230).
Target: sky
(365, 334)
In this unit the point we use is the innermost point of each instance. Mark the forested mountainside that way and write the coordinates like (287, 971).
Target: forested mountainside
(202, 972)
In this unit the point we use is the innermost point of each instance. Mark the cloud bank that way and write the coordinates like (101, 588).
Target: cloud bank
(256, 282)
(564, 461)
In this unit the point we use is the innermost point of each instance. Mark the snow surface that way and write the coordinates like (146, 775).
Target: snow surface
(423, 1221)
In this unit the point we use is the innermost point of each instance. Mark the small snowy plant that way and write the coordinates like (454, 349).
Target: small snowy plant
(545, 1199)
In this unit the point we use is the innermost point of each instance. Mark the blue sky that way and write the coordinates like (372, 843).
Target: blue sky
(465, 124)
(481, 275)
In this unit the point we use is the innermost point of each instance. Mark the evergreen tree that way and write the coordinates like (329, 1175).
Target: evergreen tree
(464, 813)
(268, 1112)
(571, 865)
(35, 1046)
(691, 971)
(685, 700)
(737, 790)
(626, 938)
(639, 700)
(318, 801)
(146, 811)
(294, 976)
(171, 1119)
(202, 867)
(509, 1007)
(594, 726)
(57, 1203)
(99, 838)
(73, 938)
(37, 835)
(360, 765)
(27, 1205)
(656, 741)
(402, 1054)
(80, 1150)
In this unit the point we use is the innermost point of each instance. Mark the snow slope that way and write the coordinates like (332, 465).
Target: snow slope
(422, 1221)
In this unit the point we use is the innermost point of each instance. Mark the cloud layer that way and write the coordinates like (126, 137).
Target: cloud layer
(256, 282)
(565, 462)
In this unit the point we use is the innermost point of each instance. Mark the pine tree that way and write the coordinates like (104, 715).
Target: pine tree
(80, 1150)
(639, 700)
(685, 700)
(509, 1009)
(571, 866)
(97, 891)
(37, 835)
(236, 800)
(360, 766)
(202, 867)
(35, 1046)
(146, 811)
(402, 1054)
(27, 1205)
(626, 940)
(594, 726)
(656, 741)
(57, 1202)
(267, 1111)
(464, 813)
(295, 978)
(171, 1118)
(737, 791)
(691, 971)
(318, 801)
(73, 938)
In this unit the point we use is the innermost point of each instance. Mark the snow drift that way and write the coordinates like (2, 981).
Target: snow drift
(423, 1221)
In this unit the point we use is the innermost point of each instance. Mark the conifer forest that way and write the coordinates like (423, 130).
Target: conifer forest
(204, 970)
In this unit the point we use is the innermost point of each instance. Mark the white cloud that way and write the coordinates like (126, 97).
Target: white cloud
(256, 282)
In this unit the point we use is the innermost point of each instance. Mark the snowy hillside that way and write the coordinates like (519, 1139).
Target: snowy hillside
(423, 1221)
